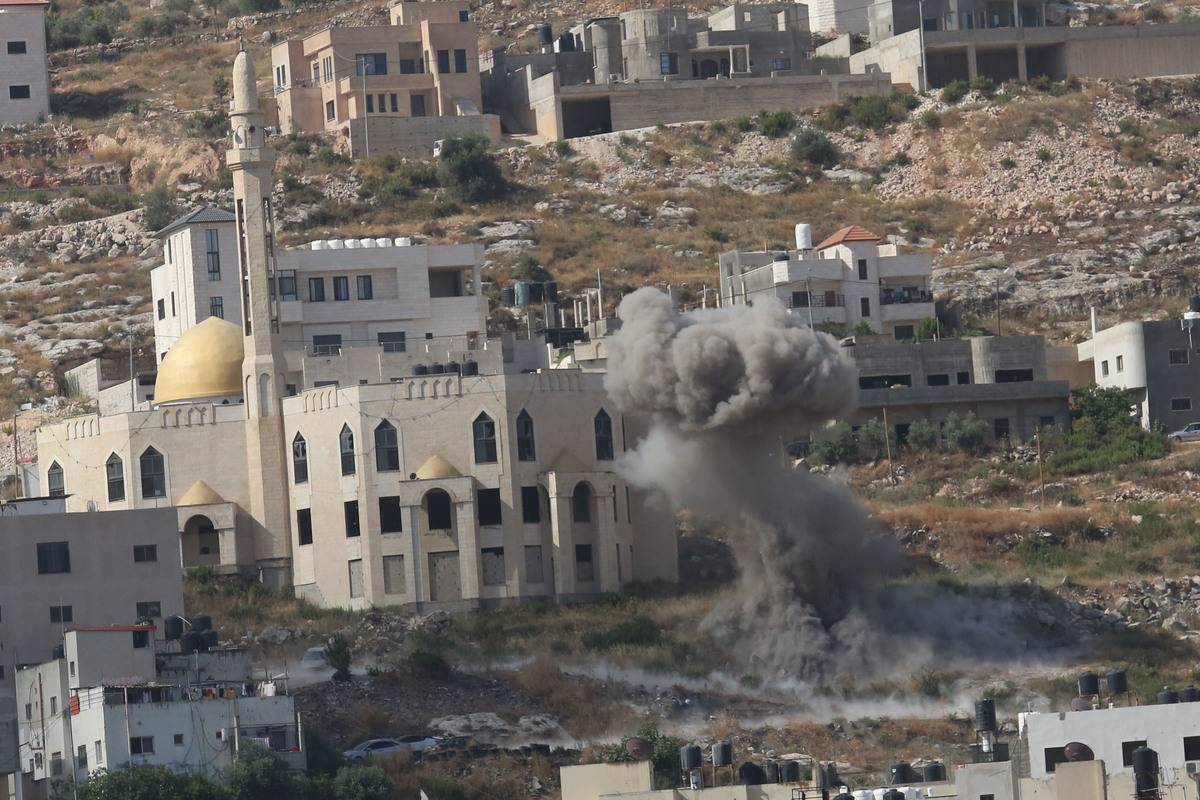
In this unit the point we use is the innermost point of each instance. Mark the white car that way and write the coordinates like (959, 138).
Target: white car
(387, 747)
(1189, 433)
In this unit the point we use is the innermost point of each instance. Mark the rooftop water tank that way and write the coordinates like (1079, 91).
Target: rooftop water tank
(933, 772)
(722, 753)
(404, 241)
(901, 772)
(173, 628)
(420, 369)
(803, 236)
(1089, 684)
(535, 292)
(985, 715)
(334, 244)
(201, 623)
(1117, 683)
(316, 245)
(1189, 695)
(368, 243)
(383, 241)
(1168, 696)
(545, 34)
(470, 368)
(350, 244)
(1145, 771)
(550, 291)
(689, 757)
(789, 772)
(521, 290)
(453, 367)
(437, 369)
(508, 296)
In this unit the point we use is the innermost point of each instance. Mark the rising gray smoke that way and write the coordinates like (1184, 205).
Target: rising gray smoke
(816, 595)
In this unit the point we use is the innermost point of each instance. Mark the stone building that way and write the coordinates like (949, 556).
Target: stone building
(449, 482)
(24, 82)
(395, 88)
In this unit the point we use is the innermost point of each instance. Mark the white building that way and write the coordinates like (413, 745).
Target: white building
(838, 16)
(24, 82)
(101, 705)
(846, 279)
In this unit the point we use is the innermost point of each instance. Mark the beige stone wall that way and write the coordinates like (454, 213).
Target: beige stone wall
(592, 781)
(416, 135)
(1133, 51)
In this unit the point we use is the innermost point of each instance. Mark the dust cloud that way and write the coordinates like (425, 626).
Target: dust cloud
(821, 592)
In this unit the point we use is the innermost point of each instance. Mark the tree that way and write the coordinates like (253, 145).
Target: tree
(258, 6)
(1108, 408)
(337, 653)
(160, 208)
(862, 328)
(258, 775)
(872, 442)
(362, 782)
(928, 329)
(967, 433)
(150, 783)
(468, 171)
(924, 435)
(220, 89)
(814, 147)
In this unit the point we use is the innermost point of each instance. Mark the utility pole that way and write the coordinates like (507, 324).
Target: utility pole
(997, 302)
(17, 454)
(1037, 438)
(362, 66)
(921, 28)
(132, 385)
(599, 294)
(808, 291)
(887, 446)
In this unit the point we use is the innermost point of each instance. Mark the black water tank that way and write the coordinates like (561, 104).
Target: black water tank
(1168, 696)
(789, 771)
(1145, 769)
(545, 34)
(201, 623)
(437, 369)
(722, 754)
(470, 368)
(1078, 751)
(536, 292)
(829, 776)
(893, 794)
(1116, 681)
(1189, 695)
(550, 291)
(453, 367)
(59, 651)
(508, 296)
(211, 639)
(750, 774)
(173, 628)
(933, 772)
(190, 642)
(901, 772)
(1089, 684)
(566, 43)
(770, 772)
(419, 370)
(689, 757)
(985, 715)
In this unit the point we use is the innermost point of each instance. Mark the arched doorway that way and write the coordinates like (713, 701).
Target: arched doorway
(200, 542)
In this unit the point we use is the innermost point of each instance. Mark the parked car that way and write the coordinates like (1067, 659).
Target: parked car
(314, 658)
(1188, 433)
(387, 747)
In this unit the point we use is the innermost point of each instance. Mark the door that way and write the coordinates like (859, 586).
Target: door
(416, 104)
(444, 583)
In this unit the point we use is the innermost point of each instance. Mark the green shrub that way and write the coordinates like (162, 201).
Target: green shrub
(928, 329)
(924, 435)
(874, 112)
(562, 148)
(901, 159)
(469, 172)
(156, 25)
(337, 653)
(87, 26)
(258, 6)
(638, 630)
(983, 84)
(954, 91)
(814, 147)
(1007, 163)
(743, 124)
(931, 119)
(715, 233)
(160, 208)
(1104, 435)
(149, 783)
(1128, 126)
(862, 328)
(362, 782)
(967, 433)
(1044, 155)
(776, 124)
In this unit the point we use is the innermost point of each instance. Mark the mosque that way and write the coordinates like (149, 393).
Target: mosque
(457, 487)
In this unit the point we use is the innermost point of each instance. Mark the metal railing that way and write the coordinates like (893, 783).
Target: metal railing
(821, 300)
(888, 297)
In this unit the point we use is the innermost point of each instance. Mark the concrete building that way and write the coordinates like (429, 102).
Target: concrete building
(103, 704)
(838, 16)
(847, 279)
(658, 66)
(1156, 362)
(459, 476)
(24, 81)
(395, 88)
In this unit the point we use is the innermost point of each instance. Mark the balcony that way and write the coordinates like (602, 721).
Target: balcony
(416, 81)
(904, 266)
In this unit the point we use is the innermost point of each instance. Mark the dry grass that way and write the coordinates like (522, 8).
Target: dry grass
(581, 706)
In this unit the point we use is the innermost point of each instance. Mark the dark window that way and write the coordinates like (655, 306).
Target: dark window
(365, 290)
(443, 61)
(1181, 404)
(463, 15)
(604, 436)
(460, 60)
(151, 609)
(408, 66)
(213, 253)
(799, 299)
(316, 290)
(114, 473)
(531, 505)
(161, 307)
(387, 451)
(370, 64)
(53, 558)
(584, 569)
(416, 105)
(370, 110)
(299, 459)
(304, 525)
(16, 48)
(216, 307)
(901, 429)
(346, 446)
(526, 449)
(904, 333)
(327, 344)
(1104, 369)
(484, 432)
(1191, 748)
(937, 380)
(1120, 363)
(962, 378)
(350, 510)
(287, 285)
(18, 92)
(581, 503)
(487, 506)
(145, 553)
(62, 614)
(1013, 375)
(395, 102)
(862, 269)
(1046, 422)
(330, 111)
(154, 476)
(55, 483)
(883, 381)
(437, 507)
(178, 739)
(141, 745)
(341, 288)
(864, 305)
(1054, 757)
(1127, 749)
(1177, 356)
(668, 63)
(391, 519)
(1000, 427)
(392, 342)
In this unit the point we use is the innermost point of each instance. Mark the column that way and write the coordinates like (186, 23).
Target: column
(562, 539)
(1022, 67)
(413, 571)
(467, 529)
(606, 544)
(972, 63)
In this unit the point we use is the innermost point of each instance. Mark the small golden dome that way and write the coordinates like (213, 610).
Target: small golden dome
(437, 468)
(206, 362)
(200, 494)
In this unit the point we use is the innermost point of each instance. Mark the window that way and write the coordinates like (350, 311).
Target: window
(864, 306)
(937, 380)
(392, 342)
(1054, 756)
(585, 572)
(18, 92)
(391, 519)
(173, 311)
(299, 460)
(395, 103)
(350, 512)
(55, 484)
(460, 60)
(862, 269)
(487, 506)
(365, 291)
(526, 449)
(408, 66)
(1177, 356)
(1181, 404)
(99, 751)
(963, 378)
(370, 104)
(149, 609)
(387, 451)
(668, 63)
(56, 759)
(1000, 427)
(393, 575)
(327, 344)
(141, 745)
(370, 64)
(883, 381)
(1120, 363)
(437, 507)
(330, 111)
(463, 15)
(491, 562)
(316, 290)
(484, 432)
(154, 478)
(604, 436)
(341, 288)
(178, 740)
(1013, 375)
(346, 445)
(1104, 369)
(1127, 749)
(416, 105)
(54, 558)
(16, 48)
(145, 553)
(781, 64)
(81, 759)
(213, 253)
(534, 570)
(141, 639)
(161, 309)
(800, 299)
(61, 614)
(443, 61)
(581, 504)
(531, 505)
(904, 333)
(287, 285)
(304, 525)
(1191, 748)
(216, 307)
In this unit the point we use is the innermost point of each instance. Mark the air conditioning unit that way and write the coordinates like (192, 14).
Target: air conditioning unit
(614, 78)
(1192, 767)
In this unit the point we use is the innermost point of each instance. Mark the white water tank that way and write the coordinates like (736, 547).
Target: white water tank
(404, 241)
(316, 245)
(878, 793)
(350, 244)
(383, 242)
(803, 236)
(862, 794)
(334, 244)
(367, 243)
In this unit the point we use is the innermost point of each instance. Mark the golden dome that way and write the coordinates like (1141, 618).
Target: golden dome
(200, 494)
(437, 468)
(206, 362)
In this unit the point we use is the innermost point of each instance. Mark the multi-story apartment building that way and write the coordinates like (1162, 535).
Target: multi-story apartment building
(386, 88)
(24, 82)
(847, 279)
(104, 703)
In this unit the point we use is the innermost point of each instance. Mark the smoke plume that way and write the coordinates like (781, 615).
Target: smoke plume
(817, 595)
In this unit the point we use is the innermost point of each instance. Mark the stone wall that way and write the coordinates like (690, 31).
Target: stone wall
(415, 135)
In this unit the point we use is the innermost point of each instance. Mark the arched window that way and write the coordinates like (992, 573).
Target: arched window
(154, 475)
(346, 444)
(437, 510)
(55, 484)
(484, 432)
(604, 437)
(299, 459)
(387, 451)
(114, 471)
(581, 503)
(526, 450)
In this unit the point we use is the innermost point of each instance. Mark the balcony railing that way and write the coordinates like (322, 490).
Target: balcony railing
(889, 297)
(822, 300)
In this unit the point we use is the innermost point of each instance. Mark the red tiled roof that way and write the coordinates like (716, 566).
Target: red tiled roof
(850, 233)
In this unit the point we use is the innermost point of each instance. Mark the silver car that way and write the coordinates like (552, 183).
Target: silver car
(387, 747)
(1189, 433)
